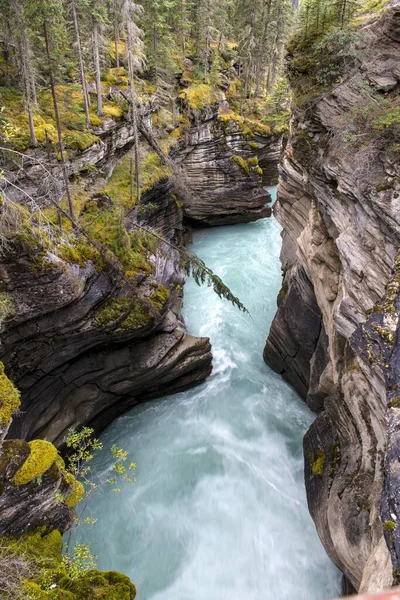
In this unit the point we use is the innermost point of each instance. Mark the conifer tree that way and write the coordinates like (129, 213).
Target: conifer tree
(74, 12)
(49, 25)
(134, 47)
(99, 18)
(26, 61)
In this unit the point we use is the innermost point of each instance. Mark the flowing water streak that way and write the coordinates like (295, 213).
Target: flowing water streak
(218, 510)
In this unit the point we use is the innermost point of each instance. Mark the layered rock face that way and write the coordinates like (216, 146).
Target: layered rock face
(78, 348)
(225, 186)
(73, 366)
(334, 335)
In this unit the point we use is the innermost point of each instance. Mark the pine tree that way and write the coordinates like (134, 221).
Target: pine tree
(99, 18)
(49, 27)
(26, 61)
(134, 47)
(74, 12)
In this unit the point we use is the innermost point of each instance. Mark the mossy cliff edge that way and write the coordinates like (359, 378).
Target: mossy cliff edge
(335, 335)
(37, 505)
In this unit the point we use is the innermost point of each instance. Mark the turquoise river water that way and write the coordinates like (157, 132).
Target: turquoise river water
(218, 510)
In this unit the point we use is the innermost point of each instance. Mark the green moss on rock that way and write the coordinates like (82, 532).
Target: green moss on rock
(242, 163)
(9, 398)
(107, 585)
(42, 456)
(159, 297)
(200, 95)
(389, 525)
(7, 308)
(317, 462)
(51, 579)
(152, 171)
(128, 313)
(77, 491)
(80, 253)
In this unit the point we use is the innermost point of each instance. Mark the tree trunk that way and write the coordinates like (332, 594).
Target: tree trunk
(23, 48)
(116, 35)
(261, 53)
(57, 118)
(133, 111)
(96, 60)
(81, 62)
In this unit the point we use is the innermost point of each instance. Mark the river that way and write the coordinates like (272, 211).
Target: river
(218, 510)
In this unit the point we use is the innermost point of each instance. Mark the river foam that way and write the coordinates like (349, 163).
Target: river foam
(219, 509)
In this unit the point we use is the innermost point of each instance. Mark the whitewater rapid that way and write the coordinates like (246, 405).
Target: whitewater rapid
(218, 510)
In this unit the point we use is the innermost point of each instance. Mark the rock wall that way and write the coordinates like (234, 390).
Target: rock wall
(73, 370)
(339, 204)
(225, 187)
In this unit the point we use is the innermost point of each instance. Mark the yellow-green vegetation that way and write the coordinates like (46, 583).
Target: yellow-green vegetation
(79, 252)
(159, 296)
(103, 220)
(71, 108)
(7, 308)
(116, 77)
(106, 227)
(317, 461)
(242, 163)
(369, 9)
(130, 313)
(125, 312)
(200, 95)
(42, 456)
(389, 525)
(118, 187)
(373, 5)
(45, 574)
(248, 166)
(394, 402)
(77, 491)
(249, 127)
(264, 115)
(9, 398)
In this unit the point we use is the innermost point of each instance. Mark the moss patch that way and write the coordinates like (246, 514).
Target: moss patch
(118, 187)
(389, 525)
(9, 398)
(124, 312)
(51, 579)
(77, 491)
(242, 163)
(42, 457)
(7, 308)
(317, 461)
(200, 95)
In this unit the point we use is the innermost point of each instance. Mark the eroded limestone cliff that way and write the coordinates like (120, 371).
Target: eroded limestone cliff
(335, 335)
